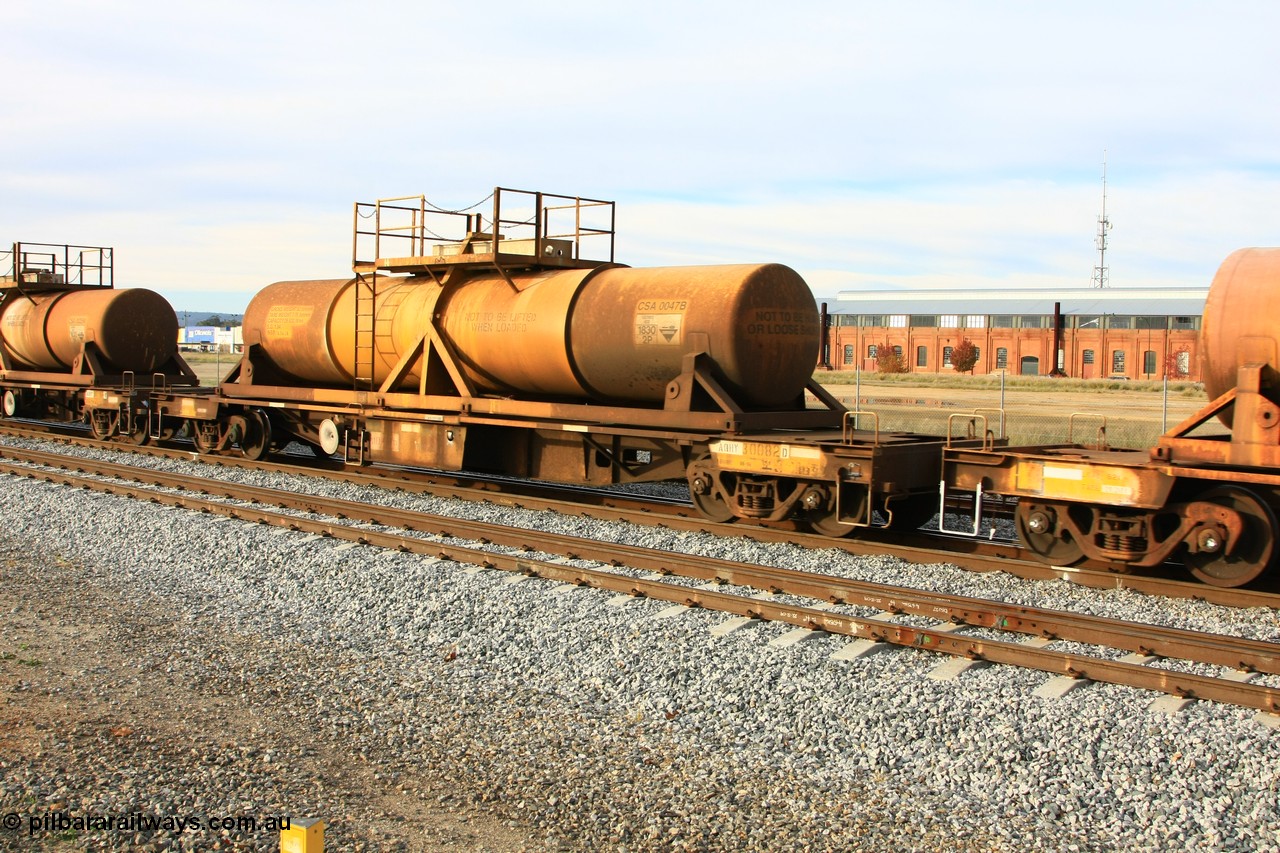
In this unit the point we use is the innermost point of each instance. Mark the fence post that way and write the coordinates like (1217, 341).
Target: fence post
(1164, 411)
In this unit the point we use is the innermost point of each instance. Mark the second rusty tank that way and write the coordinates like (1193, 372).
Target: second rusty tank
(609, 333)
(132, 329)
(1239, 319)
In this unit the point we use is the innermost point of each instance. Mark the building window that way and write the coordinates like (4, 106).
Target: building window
(1158, 323)
(977, 354)
(872, 321)
(1002, 358)
(897, 351)
(946, 356)
(949, 321)
(924, 321)
(848, 353)
(1149, 362)
(1120, 322)
(1088, 356)
(897, 321)
(1002, 321)
(975, 321)
(1184, 363)
(922, 356)
(1088, 321)
(1117, 361)
(873, 351)
(1035, 321)
(1185, 323)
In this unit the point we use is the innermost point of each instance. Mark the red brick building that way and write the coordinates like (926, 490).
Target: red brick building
(1129, 333)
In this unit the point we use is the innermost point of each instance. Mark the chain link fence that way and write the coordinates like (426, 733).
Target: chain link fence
(928, 411)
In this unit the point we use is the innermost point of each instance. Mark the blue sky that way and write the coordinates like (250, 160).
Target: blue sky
(219, 147)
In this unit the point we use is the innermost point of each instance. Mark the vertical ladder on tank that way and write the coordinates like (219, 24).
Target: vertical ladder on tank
(365, 332)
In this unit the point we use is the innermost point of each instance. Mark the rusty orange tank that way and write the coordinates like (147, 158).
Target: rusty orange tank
(134, 329)
(1239, 319)
(610, 333)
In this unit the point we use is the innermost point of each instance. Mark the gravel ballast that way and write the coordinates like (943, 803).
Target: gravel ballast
(362, 683)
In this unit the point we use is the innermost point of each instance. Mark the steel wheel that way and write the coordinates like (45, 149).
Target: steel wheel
(713, 508)
(825, 520)
(705, 497)
(256, 440)
(1251, 555)
(827, 524)
(1038, 529)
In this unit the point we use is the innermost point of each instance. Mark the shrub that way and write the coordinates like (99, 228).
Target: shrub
(888, 360)
(964, 356)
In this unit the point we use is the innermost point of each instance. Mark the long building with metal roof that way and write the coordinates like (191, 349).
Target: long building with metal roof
(1146, 333)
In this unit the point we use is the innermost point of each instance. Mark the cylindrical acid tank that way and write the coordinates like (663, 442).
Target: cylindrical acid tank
(1239, 323)
(133, 329)
(610, 333)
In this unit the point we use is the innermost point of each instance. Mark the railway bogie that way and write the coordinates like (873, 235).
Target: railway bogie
(836, 483)
(1124, 511)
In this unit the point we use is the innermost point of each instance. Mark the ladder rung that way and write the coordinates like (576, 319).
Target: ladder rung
(366, 336)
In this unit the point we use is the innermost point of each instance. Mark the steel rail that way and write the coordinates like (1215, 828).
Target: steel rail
(1247, 654)
(918, 547)
(1142, 638)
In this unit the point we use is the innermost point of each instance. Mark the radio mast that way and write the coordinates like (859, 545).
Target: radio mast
(1104, 225)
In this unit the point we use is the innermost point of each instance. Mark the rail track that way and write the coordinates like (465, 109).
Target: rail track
(963, 627)
(924, 546)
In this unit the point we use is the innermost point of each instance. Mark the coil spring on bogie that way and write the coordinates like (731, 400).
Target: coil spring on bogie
(758, 502)
(755, 499)
(1121, 544)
